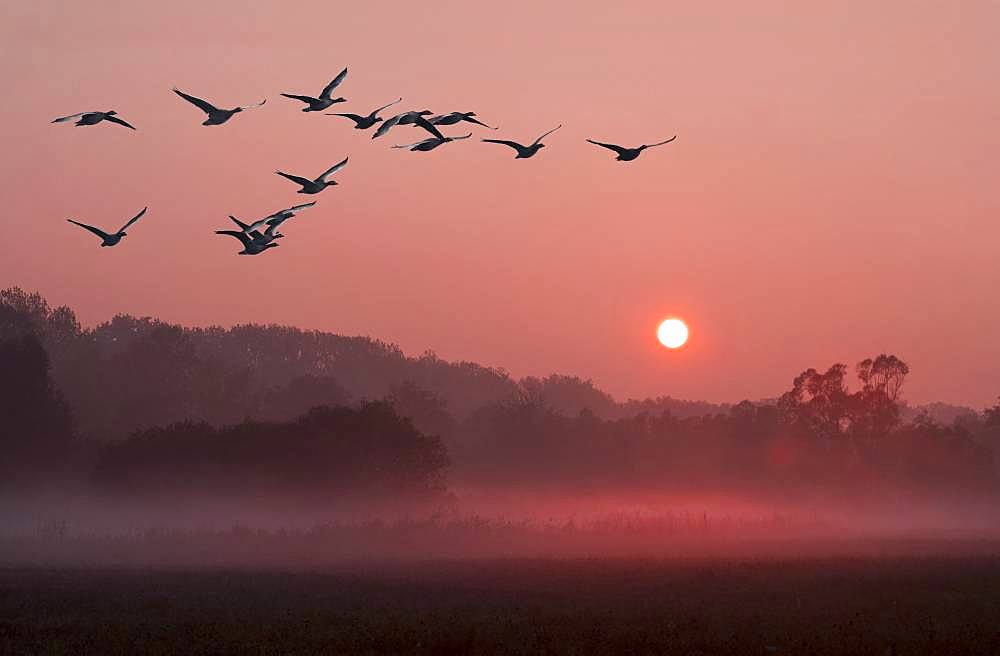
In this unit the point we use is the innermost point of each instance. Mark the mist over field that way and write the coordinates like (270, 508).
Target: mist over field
(139, 441)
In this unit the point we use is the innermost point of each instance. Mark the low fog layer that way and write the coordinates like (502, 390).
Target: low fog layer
(139, 441)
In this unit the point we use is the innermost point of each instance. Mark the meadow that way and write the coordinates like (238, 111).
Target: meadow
(844, 605)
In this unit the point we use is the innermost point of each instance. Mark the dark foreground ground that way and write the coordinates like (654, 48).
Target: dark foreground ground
(926, 605)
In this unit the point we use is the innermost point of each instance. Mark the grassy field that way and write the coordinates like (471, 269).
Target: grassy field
(927, 605)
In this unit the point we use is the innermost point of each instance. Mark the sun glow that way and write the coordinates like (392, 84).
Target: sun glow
(672, 333)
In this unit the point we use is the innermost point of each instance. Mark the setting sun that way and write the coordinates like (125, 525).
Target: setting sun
(672, 333)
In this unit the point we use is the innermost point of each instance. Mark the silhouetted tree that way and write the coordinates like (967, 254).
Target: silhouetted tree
(989, 428)
(818, 404)
(36, 431)
(298, 397)
(938, 459)
(327, 456)
(132, 374)
(570, 394)
(876, 408)
(427, 410)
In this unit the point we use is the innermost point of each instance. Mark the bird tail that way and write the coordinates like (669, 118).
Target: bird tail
(242, 225)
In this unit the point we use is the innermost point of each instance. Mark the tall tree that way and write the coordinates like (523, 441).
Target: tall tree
(818, 404)
(37, 429)
(876, 404)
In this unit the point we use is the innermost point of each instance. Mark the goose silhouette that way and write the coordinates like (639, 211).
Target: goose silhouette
(278, 218)
(406, 118)
(252, 244)
(365, 122)
(268, 235)
(629, 154)
(216, 116)
(431, 143)
(110, 238)
(324, 100)
(455, 117)
(524, 152)
(93, 118)
(317, 185)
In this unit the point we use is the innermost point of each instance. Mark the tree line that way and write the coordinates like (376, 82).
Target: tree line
(139, 407)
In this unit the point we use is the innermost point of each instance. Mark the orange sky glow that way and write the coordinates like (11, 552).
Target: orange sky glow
(831, 195)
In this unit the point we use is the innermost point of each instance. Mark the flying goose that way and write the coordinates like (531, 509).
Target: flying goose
(216, 116)
(251, 246)
(629, 154)
(406, 118)
(93, 118)
(277, 218)
(524, 152)
(365, 122)
(317, 185)
(268, 235)
(256, 236)
(455, 117)
(110, 239)
(324, 100)
(431, 143)
(417, 120)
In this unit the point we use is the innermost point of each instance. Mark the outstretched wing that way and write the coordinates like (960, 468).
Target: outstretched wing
(63, 119)
(305, 99)
(417, 143)
(376, 111)
(133, 219)
(297, 208)
(513, 144)
(546, 134)
(662, 142)
(115, 119)
(258, 224)
(387, 125)
(244, 239)
(295, 178)
(333, 169)
(422, 122)
(243, 226)
(204, 106)
(462, 137)
(254, 105)
(470, 119)
(284, 214)
(277, 220)
(353, 117)
(334, 84)
(97, 231)
(617, 149)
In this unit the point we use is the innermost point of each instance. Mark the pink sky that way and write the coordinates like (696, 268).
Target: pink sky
(832, 193)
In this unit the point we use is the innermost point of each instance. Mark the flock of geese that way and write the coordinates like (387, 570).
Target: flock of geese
(260, 235)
